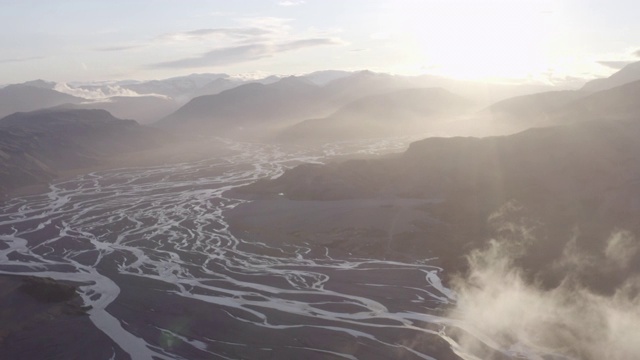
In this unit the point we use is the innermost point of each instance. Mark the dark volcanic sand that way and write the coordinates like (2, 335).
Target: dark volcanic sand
(35, 329)
(375, 228)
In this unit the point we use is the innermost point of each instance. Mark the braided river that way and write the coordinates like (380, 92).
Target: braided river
(165, 278)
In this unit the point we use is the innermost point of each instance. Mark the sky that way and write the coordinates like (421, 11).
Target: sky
(544, 41)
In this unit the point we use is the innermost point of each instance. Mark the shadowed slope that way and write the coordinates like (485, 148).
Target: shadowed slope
(36, 146)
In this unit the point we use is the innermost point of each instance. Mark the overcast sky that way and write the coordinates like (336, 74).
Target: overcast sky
(539, 40)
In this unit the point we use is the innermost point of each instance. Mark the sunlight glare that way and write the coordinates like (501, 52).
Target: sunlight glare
(479, 41)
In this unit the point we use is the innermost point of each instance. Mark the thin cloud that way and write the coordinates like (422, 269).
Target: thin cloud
(16, 60)
(299, 44)
(637, 53)
(203, 34)
(275, 24)
(99, 93)
(243, 53)
(217, 57)
(239, 35)
(119, 48)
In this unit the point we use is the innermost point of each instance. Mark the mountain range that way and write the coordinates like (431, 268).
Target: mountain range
(177, 100)
(298, 102)
(297, 109)
(629, 73)
(523, 202)
(38, 146)
(560, 190)
(398, 113)
(318, 107)
(31, 96)
(583, 174)
(252, 105)
(561, 107)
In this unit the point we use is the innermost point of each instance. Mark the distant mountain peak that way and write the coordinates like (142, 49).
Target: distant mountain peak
(324, 77)
(293, 81)
(66, 113)
(39, 83)
(366, 72)
(627, 74)
(30, 96)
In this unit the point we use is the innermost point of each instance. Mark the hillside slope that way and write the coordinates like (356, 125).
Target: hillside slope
(399, 113)
(37, 146)
(574, 185)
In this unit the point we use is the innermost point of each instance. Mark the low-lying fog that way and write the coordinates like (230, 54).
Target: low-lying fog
(496, 300)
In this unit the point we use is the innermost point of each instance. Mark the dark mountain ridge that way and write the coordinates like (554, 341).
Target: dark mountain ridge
(143, 109)
(617, 103)
(575, 181)
(397, 113)
(38, 146)
(285, 102)
(559, 107)
(32, 96)
(252, 105)
(629, 73)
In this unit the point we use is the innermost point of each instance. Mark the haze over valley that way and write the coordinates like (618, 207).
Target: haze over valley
(302, 179)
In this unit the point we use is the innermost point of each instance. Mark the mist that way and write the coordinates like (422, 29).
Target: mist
(502, 301)
(98, 93)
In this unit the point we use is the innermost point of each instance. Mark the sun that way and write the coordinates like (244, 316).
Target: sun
(481, 40)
